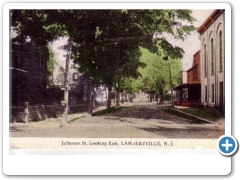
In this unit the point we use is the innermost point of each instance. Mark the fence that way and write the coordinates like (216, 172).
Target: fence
(40, 112)
(28, 113)
(17, 114)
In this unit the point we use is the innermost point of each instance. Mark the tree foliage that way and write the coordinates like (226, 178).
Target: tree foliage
(155, 76)
(105, 42)
(51, 63)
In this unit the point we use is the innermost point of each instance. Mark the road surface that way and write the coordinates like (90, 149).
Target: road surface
(141, 121)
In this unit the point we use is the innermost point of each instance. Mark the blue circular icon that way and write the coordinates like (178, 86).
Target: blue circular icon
(227, 145)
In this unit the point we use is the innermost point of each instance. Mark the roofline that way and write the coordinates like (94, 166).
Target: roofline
(196, 53)
(185, 85)
(17, 69)
(192, 67)
(215, 14)
(193, 59)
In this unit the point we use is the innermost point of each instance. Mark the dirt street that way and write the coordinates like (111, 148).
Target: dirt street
(141, 121)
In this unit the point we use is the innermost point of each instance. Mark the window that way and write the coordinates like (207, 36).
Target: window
(212, 61)
(205, 61)
(72, 65)
(185, 94)
(220, 51)
(212, 98)
(75, 76)
(205, 93)
(195, 74)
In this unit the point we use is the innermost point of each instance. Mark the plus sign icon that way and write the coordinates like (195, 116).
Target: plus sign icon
(227, 145)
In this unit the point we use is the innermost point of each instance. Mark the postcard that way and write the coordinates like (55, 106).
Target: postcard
(92, 86)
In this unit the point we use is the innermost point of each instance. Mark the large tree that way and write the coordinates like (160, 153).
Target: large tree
(154, 77)
(105, 42)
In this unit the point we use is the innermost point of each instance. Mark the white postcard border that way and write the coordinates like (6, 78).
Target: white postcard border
(135, 163)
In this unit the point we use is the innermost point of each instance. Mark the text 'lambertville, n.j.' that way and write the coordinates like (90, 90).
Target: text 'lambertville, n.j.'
(117, 143)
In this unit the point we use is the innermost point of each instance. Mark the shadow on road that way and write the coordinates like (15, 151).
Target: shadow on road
(141, 112)
(199, 132)
(14, 129)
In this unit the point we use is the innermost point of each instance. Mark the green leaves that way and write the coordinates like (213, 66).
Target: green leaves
(51, 62)
(185, 14)
(155, 76)
(169, 50)
(105, 42)
(183, 31)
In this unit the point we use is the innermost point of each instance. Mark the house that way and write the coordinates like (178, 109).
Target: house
(212, 57)
(81, 88)
(188, 92)
(27, 71)
(80, 85)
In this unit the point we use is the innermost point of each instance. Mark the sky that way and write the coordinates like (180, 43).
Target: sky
(192, 43)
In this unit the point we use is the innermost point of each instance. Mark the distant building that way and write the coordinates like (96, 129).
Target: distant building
(101, 93)
(188, 92)
(212, 35)
(81, 88)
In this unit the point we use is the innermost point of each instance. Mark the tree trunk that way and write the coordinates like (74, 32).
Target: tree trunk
(131, 98)
(151, 97)
(62, 118)
(117, 98)
(89, 104)
(109, 98)
(160, 97)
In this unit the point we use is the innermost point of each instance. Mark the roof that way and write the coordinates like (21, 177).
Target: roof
(198, 52)
(185, 85)
(215, 14)
(193, 67)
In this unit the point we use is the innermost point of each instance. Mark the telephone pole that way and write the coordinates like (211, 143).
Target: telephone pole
(66, 79)
(170, 78)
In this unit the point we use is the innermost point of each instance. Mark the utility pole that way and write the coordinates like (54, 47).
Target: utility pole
(66, 81)
(170, 77)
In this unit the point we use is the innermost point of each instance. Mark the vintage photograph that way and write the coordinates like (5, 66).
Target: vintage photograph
(116, 78)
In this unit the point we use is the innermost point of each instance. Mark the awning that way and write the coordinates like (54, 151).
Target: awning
(185, 85)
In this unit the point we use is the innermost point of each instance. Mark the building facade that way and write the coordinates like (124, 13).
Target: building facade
(27, 71)
(81, 88)
(212, 35)
(188, 92)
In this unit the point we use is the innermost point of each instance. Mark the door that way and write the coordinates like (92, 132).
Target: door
(221, 102)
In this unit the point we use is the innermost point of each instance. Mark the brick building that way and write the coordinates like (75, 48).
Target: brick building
(188, 92)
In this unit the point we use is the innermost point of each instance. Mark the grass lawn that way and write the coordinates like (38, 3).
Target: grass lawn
(75, 119)
(211, 114)
(110, 110)
(172, 112)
